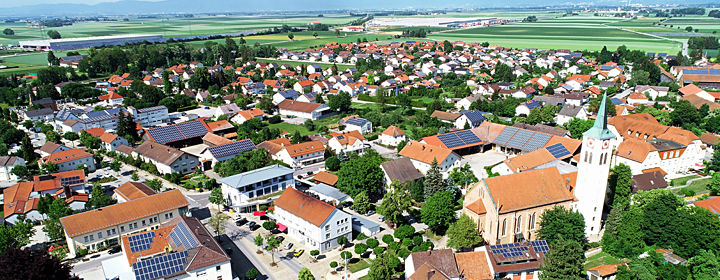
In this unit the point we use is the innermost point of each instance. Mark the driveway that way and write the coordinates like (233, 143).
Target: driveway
(480, 160)
(383, 151)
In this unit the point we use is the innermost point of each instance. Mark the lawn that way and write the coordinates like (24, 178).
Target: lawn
(697, 186)
(291, 128)
(576, 33)
(600, 259)
(341, 67)
(360, 265)
(682, 180)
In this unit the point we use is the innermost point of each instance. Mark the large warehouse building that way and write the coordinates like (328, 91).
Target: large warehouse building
(86, 42)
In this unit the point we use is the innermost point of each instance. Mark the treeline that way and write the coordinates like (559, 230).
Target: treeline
(688, 11)
(318, 27)
(530, 19)
(714, 13)
(700, 43)
(56, 23)
(420, 33)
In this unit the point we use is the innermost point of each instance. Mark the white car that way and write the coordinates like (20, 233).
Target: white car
(288, 246)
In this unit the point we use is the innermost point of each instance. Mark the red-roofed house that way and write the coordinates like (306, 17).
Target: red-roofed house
(112, 98)
(70, 160)
(247, 115)
(111, 141)
(392, 136)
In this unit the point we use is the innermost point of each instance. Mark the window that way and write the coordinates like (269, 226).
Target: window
(108, 232)
(166, 216)
(217, 268)
(327, 236)
(130, 226)
(586, 156)
(532, 222)
(518, 224)
(590, 160)
(677, 153)
(92, 237)
(86, 239)
(504, 226)
(664, 155)
(113, 231)
(171, 214)
(327, 227)
(122, 228)
(135, 224)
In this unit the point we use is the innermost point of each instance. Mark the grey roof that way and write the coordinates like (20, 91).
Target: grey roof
(39, 112)
(401, 169)
(570, 110)
(7, 160)
(329, 191)
(550, 100)
(257, 175)
(648, 181)
(360, 221)
(228, 109)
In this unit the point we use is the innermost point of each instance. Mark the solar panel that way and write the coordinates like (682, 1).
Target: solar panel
(183, 236)
(166, 134)
(192, 129)
(537, 141)
(468, 137)
(160, 266)
(505, 135)
(540, 246)
(519, 140)
(232, 148)
(558, 150)
(141, 241)
(358, 122)
(450, 140)
(714, 71)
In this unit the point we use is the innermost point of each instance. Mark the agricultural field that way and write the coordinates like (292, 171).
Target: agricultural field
(704, 24)
(324, 65)
(576, 33)
(170, 27)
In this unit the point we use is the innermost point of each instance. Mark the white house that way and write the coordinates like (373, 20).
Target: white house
(570, 111)
(392, 136)
(349, 142)
(111, 99)
(151, 116)
(7, 163)
(239, 189)
(313, 111)
(653, 91)
(422, 156)
(51, 147)
(43, 115)
(70, 160)
(228, 110)
(111, 141)
(243, 116)
(167, 159)
(311, 221)
(524, 108)
(301, 154)
(355, 123)
(224, 152)
(281, 96)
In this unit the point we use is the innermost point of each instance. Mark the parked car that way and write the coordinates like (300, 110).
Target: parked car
(288, 246)
(310, 173)
(251, 224)
(240, 222)
(279, 237)
(114, 250)
(382, 218)
(298, 252)
(370, 213)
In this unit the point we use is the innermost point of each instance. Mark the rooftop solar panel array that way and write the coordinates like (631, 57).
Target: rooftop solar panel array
(537, 141)
(520, 138)
(141, 241)
(540, 246)
(450, 140)
(192, 129)
(232, 148)
(166, 134)
(459, 138)
(468, 137)
(558, 150)
(68, 181)
(181, 235)
(505, 135)
(358, 122)
(160, 266)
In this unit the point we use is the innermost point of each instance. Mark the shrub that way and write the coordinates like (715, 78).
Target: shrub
(687, 192)
(361, 236)
(388, 239)
(275, 119)
(332, 163)
(417, 249)
(428, 244)
(417, 240)
(404, 231)
(252, 273)
(269, 225)
(379, 250)
(263, 207)
(333, 264)
(372, 243)
(395, 263)
(394, 246)
(81, 252)
(407, 242)
(373, 137)
(403, 253)
(360, 248)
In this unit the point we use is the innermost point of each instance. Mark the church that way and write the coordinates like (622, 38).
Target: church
(507, 208)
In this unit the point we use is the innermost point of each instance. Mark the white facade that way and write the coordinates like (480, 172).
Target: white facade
(322, 238)
(592, 177)
(70, 165)
(5, 171)
(563, 119)
(358, 146)
(117, 142)
(150, 116)
(390, 140)
(314, 115)
(184, 164)
(300, 160)
(452, 161)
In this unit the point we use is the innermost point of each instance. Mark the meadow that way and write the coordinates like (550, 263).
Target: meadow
(575, 33)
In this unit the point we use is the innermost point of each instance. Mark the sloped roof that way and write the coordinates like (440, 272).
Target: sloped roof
(304, 206)
(159, 152)
(305, 148)
(529, 160)
(325, 177)
(441, 260)
(220, 125)
(298, 106)
(134, 190)
(445, 115)
(108, 137)
(606, 269)
(634, 149)
(401, 169)
(473, 265)
(65, 156)
(393, 131)
(16, 197)
(648, 181)
(424, 152)
(512, 192)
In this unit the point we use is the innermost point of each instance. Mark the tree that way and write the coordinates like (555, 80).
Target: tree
(135, 176)
(564, 261)
(342, 240)
(463, 176)
(380, 268)
(28, 124)
(71, 136)
(99, 199)
(437, 212)
(659, 220)
(337, 32)
(342, 156)
(259, 241)
(362, 174)
(218, 223)
(404, 101)
(50, 167)
(8, 31)
(54, 34)
(297, 137)
(309, 124)
(52, 60)
(252, 273)
(332, 163)
(345, 256)
(360, 248)
(115, 165)
(704, 266)
(154, 184)
(54, 229)
(272, 244)
(434, 181)
(463, 233)
(341, 101)
(53, 136)
(361, 203)
(90, 142)
(305, 273)
(315, 34)
(698, 229)
(684, 113)
(58, 209)
(401, 145)
(314, 254)
(24, 263)
(269, 225)
(564, 222)
(611, 225)
(578, 126)
(20, 171)
(713, 186)
(28, 151)
(216, 197)
(15, 236)
(291, 36)
(396, 201)
(620, 185)
(630, 237)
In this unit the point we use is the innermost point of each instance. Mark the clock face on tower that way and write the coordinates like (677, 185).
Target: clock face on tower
(591, 143)
(605, 144)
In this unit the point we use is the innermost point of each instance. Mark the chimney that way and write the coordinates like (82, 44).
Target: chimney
(430, 273)
(67, 191)
(567, 184)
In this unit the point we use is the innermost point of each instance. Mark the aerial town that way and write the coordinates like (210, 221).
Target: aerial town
(406, 156)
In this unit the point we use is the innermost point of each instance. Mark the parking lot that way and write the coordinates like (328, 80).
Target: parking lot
(480, 160)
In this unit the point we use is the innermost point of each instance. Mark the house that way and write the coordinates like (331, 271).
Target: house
(7, 163)
(604, 272)
(464, 104)
(311, 221)
(178, 135)
(22, 198)
(301, 154)
(692, 89)
(167, 159)
(355, 123)
(653, 91)
(506, 208)
(328, 194)
(45, 115)
(400, 169)
(523, 110)
(310, 97)
(648, 181)
(325, 178)
(131, 191)
(392, 136)
(444, 264)
(195, 253)
(221, 127)
(243, 116)
(50, 148)
(228, 110)
(348, 142)
(457, 120)
(89, 229)
(423, 155)
(281, 96)
(238, 190)
(224, 152)
(312, 111)
(111, 99)
(474, 118)
(637, 98)
(303, 86)
(151, 116)
(570, 111)
(111, 141)
(70, 160)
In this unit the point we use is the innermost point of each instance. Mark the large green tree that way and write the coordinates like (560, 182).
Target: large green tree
(438, 213)
(216, 197)
(561, 221)
(28, 151)
(620, 185)
(15, 236)
(396, 201)
(434, 181)
(362, 174)
(463, 233)
(305, 274)
(630, 237)
(564, 261)
(704, 265)
(17, 263)
(381, 268)
(361, 203)
(660, 220)
(99, 199)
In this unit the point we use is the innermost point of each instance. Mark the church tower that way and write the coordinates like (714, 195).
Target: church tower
(593, 171)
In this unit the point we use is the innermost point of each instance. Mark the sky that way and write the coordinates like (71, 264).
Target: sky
(15, 3)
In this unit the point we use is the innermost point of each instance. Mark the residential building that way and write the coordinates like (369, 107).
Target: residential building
(247, 115)
(239, 189)
(70, 160)
(7, 163)
(457, 120)
(313, 111)
(281, 96)
(107, 224)
(111, 99)
(604, 272)
(45, 115)
(224, 152)
(221, 127)
(228, 110)
(311, 221)
(523, 110)
(110, 141)
(570, 111)
(131, 191)
(301, 154)
(422, 156)
(167, 159)
(355, 123)
(392, 136)
(22, 198)
(349, 142)
(444, 264)
(151, 116)
(400, 169)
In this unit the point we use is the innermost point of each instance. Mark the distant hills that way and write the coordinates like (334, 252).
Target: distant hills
(233, 6)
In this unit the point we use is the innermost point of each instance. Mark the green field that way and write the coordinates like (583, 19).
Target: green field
(171, 26)
(341, 67)
(575, 33)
